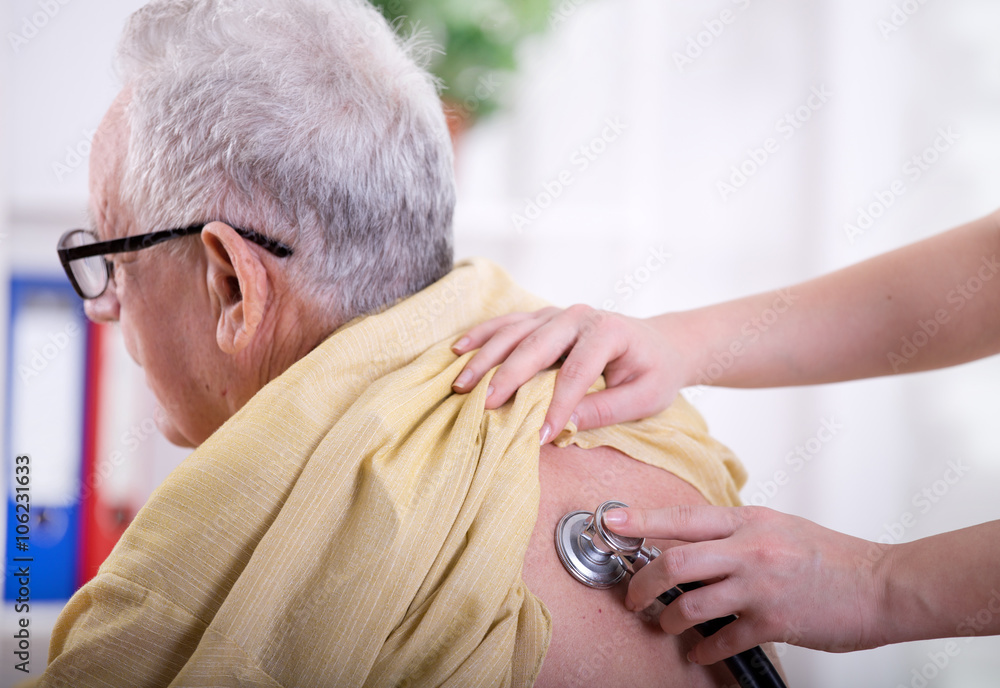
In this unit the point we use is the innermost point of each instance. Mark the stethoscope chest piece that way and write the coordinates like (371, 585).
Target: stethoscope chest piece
(586, 563)
(597, 556)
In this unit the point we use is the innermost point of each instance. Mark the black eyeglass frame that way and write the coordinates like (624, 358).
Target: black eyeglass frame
(140, 241)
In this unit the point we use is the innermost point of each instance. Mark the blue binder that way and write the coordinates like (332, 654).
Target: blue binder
(44, 421)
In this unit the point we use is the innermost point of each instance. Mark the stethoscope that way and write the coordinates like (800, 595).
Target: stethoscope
(600, 558)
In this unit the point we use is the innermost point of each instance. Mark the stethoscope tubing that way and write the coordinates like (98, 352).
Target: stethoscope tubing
(751, 668)
(598, 558)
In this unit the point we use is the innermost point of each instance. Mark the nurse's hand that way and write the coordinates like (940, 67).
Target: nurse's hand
(642, 369)
(787, 579)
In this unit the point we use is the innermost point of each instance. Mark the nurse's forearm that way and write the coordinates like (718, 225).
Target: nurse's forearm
(927, 305)
(943, 586)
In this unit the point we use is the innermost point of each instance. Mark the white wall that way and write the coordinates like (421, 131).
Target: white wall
(655, 186)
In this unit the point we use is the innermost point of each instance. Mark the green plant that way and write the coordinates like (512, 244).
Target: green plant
(477, 43)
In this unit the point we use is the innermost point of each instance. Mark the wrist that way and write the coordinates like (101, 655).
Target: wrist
(679, 331)
(887, 624)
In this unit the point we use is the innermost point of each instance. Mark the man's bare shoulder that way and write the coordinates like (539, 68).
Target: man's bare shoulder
(594, 638)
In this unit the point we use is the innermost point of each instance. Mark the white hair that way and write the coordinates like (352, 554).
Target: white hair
(308, 121)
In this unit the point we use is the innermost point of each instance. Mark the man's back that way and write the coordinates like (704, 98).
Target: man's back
(357, 523)
(595, 640)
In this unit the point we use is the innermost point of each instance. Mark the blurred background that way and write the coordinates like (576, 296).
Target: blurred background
(635, 155)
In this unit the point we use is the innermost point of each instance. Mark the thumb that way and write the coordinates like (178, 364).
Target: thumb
(609, 406)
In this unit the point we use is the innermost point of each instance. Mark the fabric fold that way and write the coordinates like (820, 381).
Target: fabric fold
(356, 523)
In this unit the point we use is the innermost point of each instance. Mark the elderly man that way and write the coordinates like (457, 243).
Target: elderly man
(345, 519)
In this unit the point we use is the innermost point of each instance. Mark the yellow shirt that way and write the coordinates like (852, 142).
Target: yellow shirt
(355, 523)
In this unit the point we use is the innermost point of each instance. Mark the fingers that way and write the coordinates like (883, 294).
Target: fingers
(582, 367)
(739, 636)
(680, 564)
(496, 339)
(609, 406)
(478, 335)
(713, 601)
(536, 351)
(523, 344)
(594, 342)
(687, 522)
(777, 573)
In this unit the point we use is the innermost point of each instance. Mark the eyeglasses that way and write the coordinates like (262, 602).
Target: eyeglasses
(82, 255)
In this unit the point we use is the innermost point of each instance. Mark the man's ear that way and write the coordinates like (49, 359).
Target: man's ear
(237, 286)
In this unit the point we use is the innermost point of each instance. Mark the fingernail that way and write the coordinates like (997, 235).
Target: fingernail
(489, 391)
(546, 431)
(629, 605)
(460, 344)
(615, 517)
(464, 378)
(690, 657)
(574, 419)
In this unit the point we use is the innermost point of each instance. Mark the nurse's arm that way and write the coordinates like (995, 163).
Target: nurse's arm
(927, 305)
(789, 579)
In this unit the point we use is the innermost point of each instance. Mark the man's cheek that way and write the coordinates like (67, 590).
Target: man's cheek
(127, 330)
